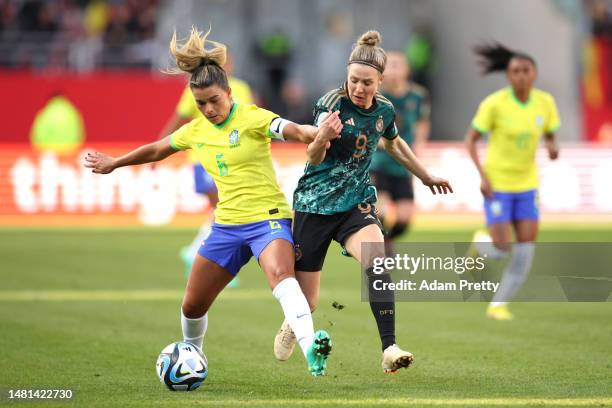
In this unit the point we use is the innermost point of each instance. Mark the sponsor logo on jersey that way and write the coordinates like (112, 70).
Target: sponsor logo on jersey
(234, 139)
(379, 124)
(350, 121)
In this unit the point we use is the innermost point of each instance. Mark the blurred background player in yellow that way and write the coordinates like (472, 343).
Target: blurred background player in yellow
(393, 181)
(187, 110)
(58, 126)
(515, 118)
(253, 218)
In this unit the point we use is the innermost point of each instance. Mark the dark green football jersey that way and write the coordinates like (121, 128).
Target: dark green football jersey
(410, 108)
(342, 181)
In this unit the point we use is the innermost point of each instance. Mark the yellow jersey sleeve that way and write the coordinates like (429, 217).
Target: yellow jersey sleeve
(261, 121)
(186, 107)
(483, 120)
(181, 139)
(554, 122)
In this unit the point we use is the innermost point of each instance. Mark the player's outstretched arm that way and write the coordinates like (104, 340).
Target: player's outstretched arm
(103, 164)
(300, 133)
(328, 130)
(400, 151)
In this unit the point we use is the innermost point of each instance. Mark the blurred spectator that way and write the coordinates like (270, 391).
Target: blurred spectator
(601, 14)
(58, 127)
(420, 54)
(295, 106)
(77, 34)
(8, 15)
(274, 50)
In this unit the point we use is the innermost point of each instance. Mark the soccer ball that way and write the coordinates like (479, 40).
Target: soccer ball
(181, 366)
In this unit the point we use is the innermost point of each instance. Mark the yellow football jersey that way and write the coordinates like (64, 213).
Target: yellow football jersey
(515, 129)
(237, 155)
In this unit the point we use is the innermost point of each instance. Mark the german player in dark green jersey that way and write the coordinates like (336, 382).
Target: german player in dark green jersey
(393, 182)
(335, 200)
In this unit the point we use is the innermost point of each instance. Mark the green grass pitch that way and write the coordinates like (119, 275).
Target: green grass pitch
(90, 310)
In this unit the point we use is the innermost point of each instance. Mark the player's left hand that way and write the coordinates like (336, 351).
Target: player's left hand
(438, 185)
(552, 147)
(553, 152)
(100, 163)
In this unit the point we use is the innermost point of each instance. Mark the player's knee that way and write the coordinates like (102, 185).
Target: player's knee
(502, 245)
(280, 273)
(192, 309)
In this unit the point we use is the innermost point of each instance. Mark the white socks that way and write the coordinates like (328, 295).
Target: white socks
(296, 310)
(194, 329)
(515, 273)
(295, 307)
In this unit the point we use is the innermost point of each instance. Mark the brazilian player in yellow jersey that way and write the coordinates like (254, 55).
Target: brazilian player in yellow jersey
(515, 118)
(253, 218)
(238, 147)
(187, 110)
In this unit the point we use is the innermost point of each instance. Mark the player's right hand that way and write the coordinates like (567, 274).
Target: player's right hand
(485, 187)
(330, 128)
(100, 163)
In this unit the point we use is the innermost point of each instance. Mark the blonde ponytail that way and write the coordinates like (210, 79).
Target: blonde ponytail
(204, 65)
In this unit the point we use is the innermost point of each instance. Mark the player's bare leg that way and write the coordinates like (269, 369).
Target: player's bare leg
(206, 281)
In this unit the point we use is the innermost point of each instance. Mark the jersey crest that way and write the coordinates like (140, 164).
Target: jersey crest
(234, 139)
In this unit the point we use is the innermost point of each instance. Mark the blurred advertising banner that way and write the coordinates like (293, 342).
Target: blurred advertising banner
(45, 189)
(116, 106)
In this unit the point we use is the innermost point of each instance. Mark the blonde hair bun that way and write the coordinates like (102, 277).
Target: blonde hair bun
(370, 38)
(366, 51)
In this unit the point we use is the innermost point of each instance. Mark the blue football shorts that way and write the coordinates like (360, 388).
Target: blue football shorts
(232, 246)
(508, 207)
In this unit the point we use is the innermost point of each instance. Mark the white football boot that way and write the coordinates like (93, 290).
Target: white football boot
(394, 358)
(284, 342)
